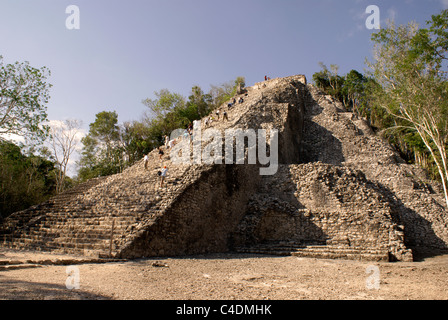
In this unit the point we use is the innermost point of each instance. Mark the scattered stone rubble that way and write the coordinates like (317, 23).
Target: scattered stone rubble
(340, 192)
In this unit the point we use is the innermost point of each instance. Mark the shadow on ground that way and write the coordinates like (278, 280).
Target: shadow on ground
(13, 289)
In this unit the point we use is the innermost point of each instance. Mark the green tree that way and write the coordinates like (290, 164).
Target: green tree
(409, 67)
(330, 82)
(354, 90)
(24, 94)
(164, 103)
(102, 153)
(198, 105)
(138, 139)
(164, 110)
(106, 131)
(25, 180)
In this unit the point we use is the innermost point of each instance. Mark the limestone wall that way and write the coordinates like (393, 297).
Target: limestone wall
(201, 218)
(341, 138)
(323, 204)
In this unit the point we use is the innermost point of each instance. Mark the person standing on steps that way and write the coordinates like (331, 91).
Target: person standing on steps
(208, 121)
(146, 161)
(163, 174)
(171, 143)
(186, 135)
(224, 116)
(160, 153)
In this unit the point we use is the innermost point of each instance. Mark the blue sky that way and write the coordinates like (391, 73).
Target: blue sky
(126, 50)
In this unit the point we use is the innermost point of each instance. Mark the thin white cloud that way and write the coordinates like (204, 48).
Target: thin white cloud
(13, 138)
(391, 14)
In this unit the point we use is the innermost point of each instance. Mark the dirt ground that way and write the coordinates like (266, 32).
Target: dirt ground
(223, 277)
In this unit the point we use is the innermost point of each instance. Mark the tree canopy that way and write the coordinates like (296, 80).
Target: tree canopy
(25, 180)
(405, 94)
(24, 93)
(102, 153)
(410, 67)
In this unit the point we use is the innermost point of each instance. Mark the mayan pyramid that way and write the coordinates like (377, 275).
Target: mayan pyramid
(339, 191)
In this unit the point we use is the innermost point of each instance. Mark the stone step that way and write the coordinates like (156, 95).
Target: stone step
(343, 255)
(51, 246)
(319, 252)
(70, 249)
(97, 223)
(77, 222)
(19, 266)
(72, 236)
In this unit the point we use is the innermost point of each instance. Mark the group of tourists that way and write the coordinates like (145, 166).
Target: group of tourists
(208, 121)
(224, 114)
(163, 172)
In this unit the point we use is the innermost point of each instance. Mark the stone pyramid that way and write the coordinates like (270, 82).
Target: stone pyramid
(339, 191)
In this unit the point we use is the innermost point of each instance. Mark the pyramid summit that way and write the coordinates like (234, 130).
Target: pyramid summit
(338, 191)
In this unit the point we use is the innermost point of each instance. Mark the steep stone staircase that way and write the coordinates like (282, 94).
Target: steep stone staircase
(90, 219)
(26, 219)
(48, 226)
